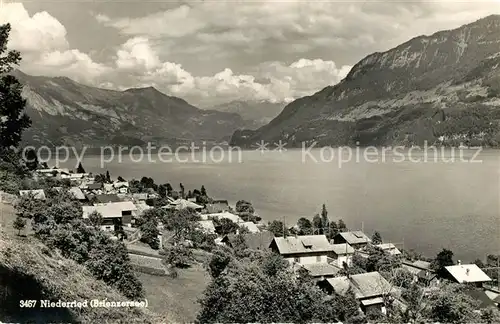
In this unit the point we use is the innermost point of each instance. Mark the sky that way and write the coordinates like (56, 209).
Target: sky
(215, 51)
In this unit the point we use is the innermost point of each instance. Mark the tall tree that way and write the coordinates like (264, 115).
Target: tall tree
(182, 190)
(376, 238)
(203, 191)
(317, 224)
(442, 260)
(13, 119)
(80, 168)
(305, 226)
(324, 218)
(342, 226)
(278, 228)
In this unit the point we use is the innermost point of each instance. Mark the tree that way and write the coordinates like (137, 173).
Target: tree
(243, 206)
(178, 256)
(442, 260)
(451, 305)
(149, 233)
(342, 226)
(218, 262)
(19, 224)
(325, 223)
(305, 226)
(108, 177)
(31, 159)
(225, 226)
(95, 219)
(243, 292)
(80, 168)
(120, 179)
(182, 223)
(181, 186)
(317, 224)
(333, 230)
(277, 228)
(203, 191)
(376, 238)
(13, 119)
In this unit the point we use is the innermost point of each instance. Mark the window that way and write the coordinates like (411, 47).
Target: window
(318, 258)
(297, 259)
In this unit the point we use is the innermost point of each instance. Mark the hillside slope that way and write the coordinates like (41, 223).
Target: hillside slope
(64, 111)
(443, 88)
(31, 271)
(259, 112)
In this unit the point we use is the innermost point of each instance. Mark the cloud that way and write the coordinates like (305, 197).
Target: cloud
(279, 82)
(42, 41)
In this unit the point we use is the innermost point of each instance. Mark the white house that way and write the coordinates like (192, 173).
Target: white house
(115, 213)
(342, 253)
(304, 249)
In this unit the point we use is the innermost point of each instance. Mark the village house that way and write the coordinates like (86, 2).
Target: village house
(356, 239)
(207, 226)
(389, 248)
(253, 241)
(422, 272)
(318, 271)
(303, 249)
(217, 206)
(250, 226)
(38, 194)
(77, 194)
(342, 253)
(369, 289)
(113, 214)
(235, 218)
(95, 188)
(467, 274)
(105, 198)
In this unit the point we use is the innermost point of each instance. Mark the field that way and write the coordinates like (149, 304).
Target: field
(176, 297)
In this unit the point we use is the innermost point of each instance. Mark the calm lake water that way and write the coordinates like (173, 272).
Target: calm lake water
(428, 205)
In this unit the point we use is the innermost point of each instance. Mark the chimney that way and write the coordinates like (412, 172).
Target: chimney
(467, 271)
(459, 262)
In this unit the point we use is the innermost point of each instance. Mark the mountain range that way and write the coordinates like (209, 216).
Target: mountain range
(443, 89)
(65, 112)
(259, 113)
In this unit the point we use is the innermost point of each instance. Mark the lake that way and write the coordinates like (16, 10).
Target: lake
(427, 205)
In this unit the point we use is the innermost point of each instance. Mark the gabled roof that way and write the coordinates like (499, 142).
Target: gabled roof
(355, 237)
(94, 186)
(235, 218)
(303, 244)
(109, 210)
(364, 285)
(389, 248)
(417, 266)
(107, 198)
(342, 249)
(37, 194)
(77, 193)
(321, 269)
(251, 227)
(463, 273)
(480, 296)
(254, 241)
(183, 204)
(207, 226)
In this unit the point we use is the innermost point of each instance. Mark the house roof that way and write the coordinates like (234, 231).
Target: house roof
(321, 269)
(231, 216)
(94, 186)
(251, 227)
(140, 196)
(77, 193)
(254, 241)
(207, 226)
(109, 210)
(303, 244)
(217, 206)
(342, 249)
(355, 237)
(467, 273)
(417, 266)
(183, 204)
(389, 248)
(107, 198)
(142, 207)
(481, 297)
(426, 275)
(372, 301)
(364, 285)
(37, 194)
